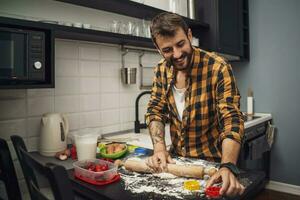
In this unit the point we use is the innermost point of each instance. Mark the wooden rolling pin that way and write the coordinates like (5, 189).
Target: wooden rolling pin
(193, 171)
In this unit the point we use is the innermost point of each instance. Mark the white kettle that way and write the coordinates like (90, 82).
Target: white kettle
(54, 131)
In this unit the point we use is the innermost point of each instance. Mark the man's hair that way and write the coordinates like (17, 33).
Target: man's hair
(166, 24)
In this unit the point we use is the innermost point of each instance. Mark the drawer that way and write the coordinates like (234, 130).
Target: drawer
(255, 131)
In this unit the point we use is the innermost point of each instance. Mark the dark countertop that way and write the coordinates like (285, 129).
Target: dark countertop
(255, 181)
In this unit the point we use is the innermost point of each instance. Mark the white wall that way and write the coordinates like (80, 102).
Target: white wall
(273, 73)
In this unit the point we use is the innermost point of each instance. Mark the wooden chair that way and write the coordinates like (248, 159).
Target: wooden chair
(55, 174)
(8, 173)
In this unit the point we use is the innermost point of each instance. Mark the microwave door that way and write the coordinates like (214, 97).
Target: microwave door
(13, 56)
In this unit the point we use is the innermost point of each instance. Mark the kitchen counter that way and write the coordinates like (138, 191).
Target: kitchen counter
(257, 119)
(115, 191)
(254, 180)
(143, 139)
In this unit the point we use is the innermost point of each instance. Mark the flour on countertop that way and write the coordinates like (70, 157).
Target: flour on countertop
(165, 185)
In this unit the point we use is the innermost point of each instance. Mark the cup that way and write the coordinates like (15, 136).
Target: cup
(115, 26)
(86, 144)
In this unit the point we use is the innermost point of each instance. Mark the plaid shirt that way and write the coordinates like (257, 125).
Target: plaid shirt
(211, 111)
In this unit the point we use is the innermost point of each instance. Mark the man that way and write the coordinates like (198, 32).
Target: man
(196, 92)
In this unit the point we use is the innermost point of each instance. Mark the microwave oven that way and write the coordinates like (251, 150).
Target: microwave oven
(25, 57)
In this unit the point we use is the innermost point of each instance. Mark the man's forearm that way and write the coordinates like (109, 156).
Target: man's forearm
(157, 134)
(230, 151)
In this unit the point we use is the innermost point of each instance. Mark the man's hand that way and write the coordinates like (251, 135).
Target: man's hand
(158, 162)
(230, 186)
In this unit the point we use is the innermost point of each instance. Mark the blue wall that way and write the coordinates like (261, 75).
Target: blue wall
(274, 74)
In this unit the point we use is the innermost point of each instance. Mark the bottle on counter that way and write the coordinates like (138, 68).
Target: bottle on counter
(250, 101)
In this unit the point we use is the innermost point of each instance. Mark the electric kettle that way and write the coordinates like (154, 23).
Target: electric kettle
(54, 131)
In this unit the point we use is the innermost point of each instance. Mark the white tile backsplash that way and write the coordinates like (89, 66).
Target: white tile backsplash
(127, 115)
(109, 85)
(132, 88)
(110, 129)
(89, 68)
(40, 92)
(11, 109)
(12, 127)
(33, 143)
(66, 104)
(33, 126)
(90, 119)
(89, 85)
(67, 85)
(89, 52)
(110, 117)
(74, 121)
(110, 101)
(66, 49)
(66, 67)
(110, 69)
(110, 54)
(12, 94)
(127, 99)
(89, 102)
(127, 126)
(39, 105)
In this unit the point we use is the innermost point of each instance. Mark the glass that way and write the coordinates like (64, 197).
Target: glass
(130, 28)
(137, 30)
(146, 29)
(173, 6)
(115, 26)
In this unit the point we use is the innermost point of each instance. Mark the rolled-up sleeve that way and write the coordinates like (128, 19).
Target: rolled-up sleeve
(157, 107)
(228, 102)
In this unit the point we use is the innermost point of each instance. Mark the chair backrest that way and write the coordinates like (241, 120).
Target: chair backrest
(8, 173)
(55, 174)
(29, 176)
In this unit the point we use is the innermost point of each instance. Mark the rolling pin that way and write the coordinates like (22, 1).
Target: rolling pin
(192, 171)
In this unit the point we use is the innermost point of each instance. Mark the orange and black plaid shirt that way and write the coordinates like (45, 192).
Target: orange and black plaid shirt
(211, 111)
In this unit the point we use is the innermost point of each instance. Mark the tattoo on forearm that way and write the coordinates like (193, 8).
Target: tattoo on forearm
(157, 132)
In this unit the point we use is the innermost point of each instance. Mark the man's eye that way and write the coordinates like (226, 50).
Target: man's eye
(167, 50)
(180, 44)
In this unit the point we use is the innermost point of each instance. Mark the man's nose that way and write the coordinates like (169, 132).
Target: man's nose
(177, 53)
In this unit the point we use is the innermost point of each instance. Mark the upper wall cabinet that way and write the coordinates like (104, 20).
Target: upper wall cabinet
(229, 27)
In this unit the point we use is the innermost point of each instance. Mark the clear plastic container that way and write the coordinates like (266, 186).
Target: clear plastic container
(81, 172)
(86, 143)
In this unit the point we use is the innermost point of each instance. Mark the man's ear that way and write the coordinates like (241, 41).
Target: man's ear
(190, 35)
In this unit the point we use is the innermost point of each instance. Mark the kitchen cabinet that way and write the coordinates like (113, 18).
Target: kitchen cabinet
(229, 27)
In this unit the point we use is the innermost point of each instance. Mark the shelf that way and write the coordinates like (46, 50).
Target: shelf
(67, 32)
(64, 32)
(131, 9)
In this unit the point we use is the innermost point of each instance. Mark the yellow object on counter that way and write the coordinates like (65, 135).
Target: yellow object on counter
(131, 148)
(191, 185)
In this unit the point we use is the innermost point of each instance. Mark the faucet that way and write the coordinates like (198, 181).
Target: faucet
(137, 124)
